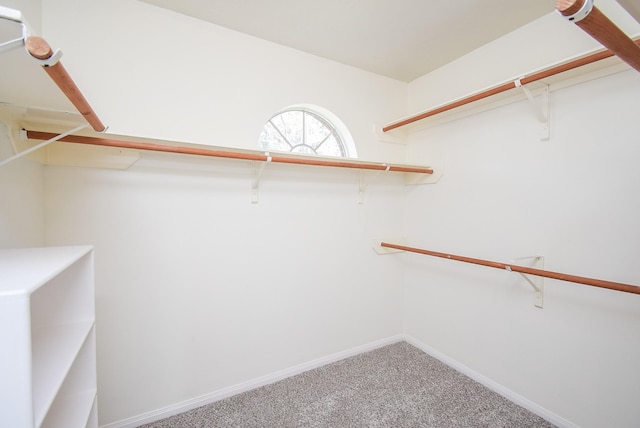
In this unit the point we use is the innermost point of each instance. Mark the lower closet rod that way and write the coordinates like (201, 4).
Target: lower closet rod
(627, 288)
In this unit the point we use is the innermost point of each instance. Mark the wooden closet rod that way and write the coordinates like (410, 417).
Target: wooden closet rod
(534, 77)
(627, 288)
(40, 49)
(37, 135)
(595, 23)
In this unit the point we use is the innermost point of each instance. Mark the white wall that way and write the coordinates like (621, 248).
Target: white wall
(506, 194)
(21, 198)
(21, 182)
(197, 288)
(157, 74)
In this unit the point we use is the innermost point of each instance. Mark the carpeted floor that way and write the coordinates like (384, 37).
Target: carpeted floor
(394, 386)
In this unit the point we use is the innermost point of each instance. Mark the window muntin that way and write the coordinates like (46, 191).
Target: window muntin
(302, 131)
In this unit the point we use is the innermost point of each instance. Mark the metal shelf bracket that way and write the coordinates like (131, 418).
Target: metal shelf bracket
(537, 282)
(362, 184)
(542, 111)
(258, 170)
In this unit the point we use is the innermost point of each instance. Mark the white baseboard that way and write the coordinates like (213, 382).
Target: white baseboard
(492, 385)
(221, 394)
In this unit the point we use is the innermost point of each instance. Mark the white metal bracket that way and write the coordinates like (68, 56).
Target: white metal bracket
(542, 112)
(52, 60)
(23, 135)
(10, 14)
(362, 184)
(258, 170)
(537, 282)
(11, 44)
(397, 136)
(411, 179)
(15, 16)
(581, 14)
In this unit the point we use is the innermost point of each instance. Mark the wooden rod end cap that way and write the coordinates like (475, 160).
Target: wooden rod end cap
(569, 7)
(38, 47)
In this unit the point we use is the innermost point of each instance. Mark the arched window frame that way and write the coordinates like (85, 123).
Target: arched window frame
(328, 119)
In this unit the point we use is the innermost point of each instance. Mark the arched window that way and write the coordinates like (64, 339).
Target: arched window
(308, 131)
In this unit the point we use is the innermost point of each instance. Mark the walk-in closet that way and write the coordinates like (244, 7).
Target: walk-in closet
(336, 213)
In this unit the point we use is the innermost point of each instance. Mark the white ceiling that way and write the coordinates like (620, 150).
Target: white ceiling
(402, 39)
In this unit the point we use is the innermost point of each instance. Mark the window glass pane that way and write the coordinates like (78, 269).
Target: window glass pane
(301, 131)
(289, 124)
(315, 131)
(271, 139)
(303, 150)
(331, 147)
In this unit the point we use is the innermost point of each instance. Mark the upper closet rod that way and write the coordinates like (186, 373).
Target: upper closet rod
(50, 61)
(607, 34)
(37, 135)
(588, 17)
(627, 288)
(40, 49)
(506, 87)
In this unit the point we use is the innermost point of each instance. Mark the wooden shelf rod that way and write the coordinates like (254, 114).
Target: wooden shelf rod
(242, 155)
(595, 23)
(534, 77)
(40, 49)
(627, 288)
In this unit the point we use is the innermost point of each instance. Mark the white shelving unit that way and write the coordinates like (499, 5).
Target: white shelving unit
(47, 338)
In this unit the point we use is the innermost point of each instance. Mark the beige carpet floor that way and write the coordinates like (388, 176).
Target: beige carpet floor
(394, 386)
